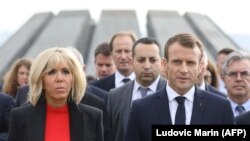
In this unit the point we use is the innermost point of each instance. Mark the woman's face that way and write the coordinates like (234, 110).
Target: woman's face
(22, 75)
(208, 77)
(57, 84)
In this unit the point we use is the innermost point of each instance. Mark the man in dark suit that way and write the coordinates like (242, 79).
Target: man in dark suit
(180, 102)
(104, 64)
(6, 105)
(201, 78)
(236, 76)
(121, 48)
(147, 68)
(97, 92)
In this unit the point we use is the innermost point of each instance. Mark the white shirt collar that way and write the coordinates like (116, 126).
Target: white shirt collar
(246, 105)
(172, 93)
(119, 77)
(203, 86)
(152, 87)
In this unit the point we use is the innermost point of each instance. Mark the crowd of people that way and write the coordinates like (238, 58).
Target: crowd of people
(51, 98)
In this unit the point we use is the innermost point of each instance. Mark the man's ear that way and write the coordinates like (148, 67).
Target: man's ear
(166, 63)
(200, 67)
(163, 67)
(222, 76)
(163, 62)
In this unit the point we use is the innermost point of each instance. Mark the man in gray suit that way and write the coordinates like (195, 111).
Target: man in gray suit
(147, 68)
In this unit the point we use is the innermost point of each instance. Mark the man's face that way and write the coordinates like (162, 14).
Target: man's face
(201, 75)
(147, 63)
(237, 81)
(183, 67)
(122, 53)
(219, 62)
(104, 65)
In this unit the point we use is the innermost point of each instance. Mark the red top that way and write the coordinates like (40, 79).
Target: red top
(57, 124)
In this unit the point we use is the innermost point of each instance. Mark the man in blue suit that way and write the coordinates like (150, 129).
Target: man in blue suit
(181, 101)
(6, 105)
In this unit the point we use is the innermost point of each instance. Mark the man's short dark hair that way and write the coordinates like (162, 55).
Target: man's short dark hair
(103, 48)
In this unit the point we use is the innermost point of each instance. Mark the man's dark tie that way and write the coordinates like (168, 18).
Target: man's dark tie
(125, 80)
(240, 109)
(143, 91)
(180, 116)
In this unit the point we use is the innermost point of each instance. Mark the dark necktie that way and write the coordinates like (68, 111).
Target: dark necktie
(125, 80)
(240, 109)
(143, 91)
(180, 116)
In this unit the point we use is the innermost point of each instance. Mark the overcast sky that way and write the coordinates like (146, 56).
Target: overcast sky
(230, 15)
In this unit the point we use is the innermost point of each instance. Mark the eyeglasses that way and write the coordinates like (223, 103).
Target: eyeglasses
(243, 74)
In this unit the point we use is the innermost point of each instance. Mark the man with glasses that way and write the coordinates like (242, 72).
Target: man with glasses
(236, 75)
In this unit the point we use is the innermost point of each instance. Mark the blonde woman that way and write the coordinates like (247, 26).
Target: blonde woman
(57, 84)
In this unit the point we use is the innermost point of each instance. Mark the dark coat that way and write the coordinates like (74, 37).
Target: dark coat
(6, 105)
(107, 83)
(89, 99)
(208, 109)
(28, 122)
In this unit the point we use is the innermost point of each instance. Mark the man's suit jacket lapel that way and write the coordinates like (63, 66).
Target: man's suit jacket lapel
(162, 107)
(127, 95)
(198, 106)
(126, 100)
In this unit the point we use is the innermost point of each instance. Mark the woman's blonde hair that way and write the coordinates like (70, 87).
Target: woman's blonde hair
(46, 61)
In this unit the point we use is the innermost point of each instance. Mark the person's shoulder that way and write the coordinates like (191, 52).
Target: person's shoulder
(4, 96)
(244, 115)
(88, 109)
(92, 100)
(90, 112)
(149, 99)
(95, 89)
(216, 91)
(126, 87)
(213, 98)
(23, 110)
(25, 87)
(6, 101)
(104, 79)
(93, 97)
(243, 118)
